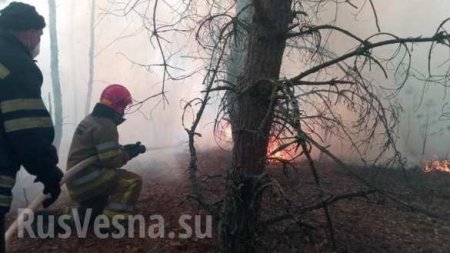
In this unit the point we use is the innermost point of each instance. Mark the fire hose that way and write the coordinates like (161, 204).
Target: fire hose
(37, 202)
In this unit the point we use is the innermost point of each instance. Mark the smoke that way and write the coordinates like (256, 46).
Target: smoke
(423, 131)
(128, 54)
(124, 55)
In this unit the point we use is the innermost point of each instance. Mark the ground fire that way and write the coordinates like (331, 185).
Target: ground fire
(436, 165)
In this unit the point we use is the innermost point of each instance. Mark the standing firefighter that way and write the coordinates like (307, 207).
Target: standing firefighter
(103, 187)
(26, 129)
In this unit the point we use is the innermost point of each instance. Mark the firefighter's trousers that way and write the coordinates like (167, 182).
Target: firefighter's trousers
(119, 199)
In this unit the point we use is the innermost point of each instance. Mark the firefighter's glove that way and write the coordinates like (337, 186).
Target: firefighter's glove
(51, 185)
(134, 150)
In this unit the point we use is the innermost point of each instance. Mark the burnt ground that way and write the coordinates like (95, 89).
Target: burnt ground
(418, 222)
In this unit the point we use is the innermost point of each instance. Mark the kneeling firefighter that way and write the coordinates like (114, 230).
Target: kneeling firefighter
(103, 187)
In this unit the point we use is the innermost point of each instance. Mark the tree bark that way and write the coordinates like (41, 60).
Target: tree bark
(251, 124)
(54, 66)
(238, 51)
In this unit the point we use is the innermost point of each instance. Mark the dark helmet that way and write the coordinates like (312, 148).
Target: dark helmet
(21, 16)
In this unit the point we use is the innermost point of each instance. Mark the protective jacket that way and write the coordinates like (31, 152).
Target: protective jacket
(26, 129)
(96, 135)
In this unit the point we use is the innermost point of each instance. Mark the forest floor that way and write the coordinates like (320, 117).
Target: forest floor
(416, 219)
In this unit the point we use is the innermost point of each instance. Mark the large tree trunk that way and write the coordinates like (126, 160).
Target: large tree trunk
(251, 124)
(238, 51)
(54, 66)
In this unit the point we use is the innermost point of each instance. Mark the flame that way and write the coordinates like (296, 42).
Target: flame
(227, 136)
(281, 154)
(436, 165)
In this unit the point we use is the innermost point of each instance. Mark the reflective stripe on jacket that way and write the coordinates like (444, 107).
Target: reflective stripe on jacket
(95, 135)
(26, 129)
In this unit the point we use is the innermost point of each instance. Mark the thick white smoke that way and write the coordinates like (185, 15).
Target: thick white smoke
(122, 44)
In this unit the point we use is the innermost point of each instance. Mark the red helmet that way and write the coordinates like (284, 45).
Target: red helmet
(117, 97)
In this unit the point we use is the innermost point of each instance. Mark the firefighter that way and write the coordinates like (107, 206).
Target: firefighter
(26, 129)
(103, 187)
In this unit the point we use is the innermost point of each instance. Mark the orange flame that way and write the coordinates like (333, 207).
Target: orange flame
(436, 165)
(227, 136)
(281, 154)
